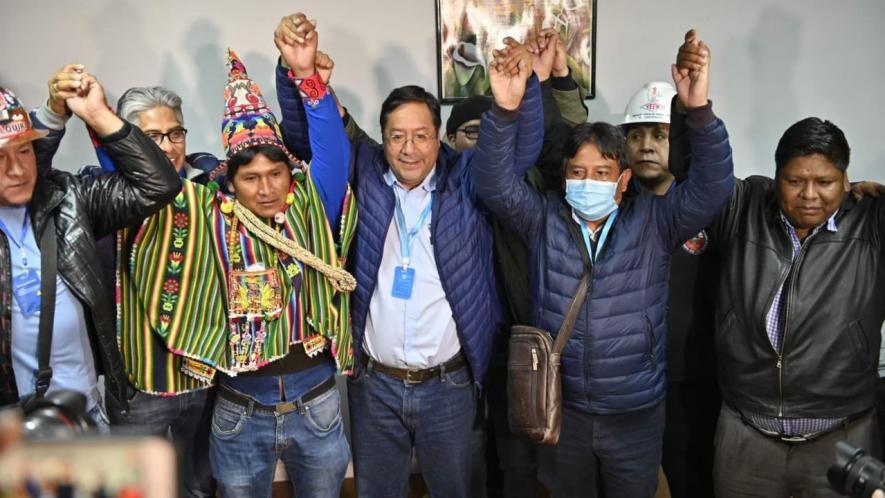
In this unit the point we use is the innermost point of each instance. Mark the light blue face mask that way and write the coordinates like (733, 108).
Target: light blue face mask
(591, 199)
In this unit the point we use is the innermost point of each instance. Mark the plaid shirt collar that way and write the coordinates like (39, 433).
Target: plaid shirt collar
(830, 225)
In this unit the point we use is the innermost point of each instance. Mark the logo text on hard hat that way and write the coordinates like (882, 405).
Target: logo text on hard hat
(651, 106)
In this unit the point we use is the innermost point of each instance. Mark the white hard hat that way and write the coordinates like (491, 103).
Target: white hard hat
(651, 104)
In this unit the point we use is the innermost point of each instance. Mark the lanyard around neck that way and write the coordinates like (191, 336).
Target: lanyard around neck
(602, 236)
(405, 235)
(21, 241)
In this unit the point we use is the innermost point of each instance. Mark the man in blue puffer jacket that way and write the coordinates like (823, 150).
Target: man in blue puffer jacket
(613, 364)
(425, 308)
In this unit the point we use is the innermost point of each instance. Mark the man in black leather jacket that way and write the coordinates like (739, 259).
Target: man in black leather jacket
(798, 316)
(84, 338)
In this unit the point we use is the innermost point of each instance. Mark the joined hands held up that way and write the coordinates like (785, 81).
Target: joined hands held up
(548, 53)
(691, 71)
(509, 71)
(84, 96)
(64, 84)
(297, 39)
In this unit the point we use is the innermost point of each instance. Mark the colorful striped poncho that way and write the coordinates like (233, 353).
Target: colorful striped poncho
(173, 290)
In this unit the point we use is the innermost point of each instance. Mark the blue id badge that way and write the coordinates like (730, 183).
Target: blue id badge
(403, 281)
(26, 288)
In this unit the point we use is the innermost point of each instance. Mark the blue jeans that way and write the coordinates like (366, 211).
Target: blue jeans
(619, 454)
(102, 424)
(389, 417)
(186, 418)
(246, 443)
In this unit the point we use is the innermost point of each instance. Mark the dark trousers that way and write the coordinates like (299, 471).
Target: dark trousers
(880, 410)
(478, 469)
(619, 453)
(185, 418)
(517, 457)
(692, 411)
(748, 463)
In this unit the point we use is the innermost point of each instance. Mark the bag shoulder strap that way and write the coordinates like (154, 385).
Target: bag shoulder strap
(572, 316)
(48, 273)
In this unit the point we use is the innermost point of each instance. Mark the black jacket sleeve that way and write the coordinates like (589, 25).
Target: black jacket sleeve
(144, 182)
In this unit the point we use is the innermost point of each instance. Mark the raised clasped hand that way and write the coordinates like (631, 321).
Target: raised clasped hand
(691, 71)
(297, 39)
(508, 72)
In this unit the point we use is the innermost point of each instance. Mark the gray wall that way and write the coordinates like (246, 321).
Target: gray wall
(774, 61)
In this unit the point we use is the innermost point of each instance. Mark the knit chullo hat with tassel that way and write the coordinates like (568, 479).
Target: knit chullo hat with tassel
(247, 120)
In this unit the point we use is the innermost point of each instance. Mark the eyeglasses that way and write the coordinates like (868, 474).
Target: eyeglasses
(471, 132)
(419, 139)
(175, 136)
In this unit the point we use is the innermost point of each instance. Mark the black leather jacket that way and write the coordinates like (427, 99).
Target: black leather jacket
(87, 208)
(834, 304)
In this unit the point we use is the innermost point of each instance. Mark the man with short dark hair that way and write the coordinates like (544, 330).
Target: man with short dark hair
(83, 335)
(799, 313)
(516, 456)
(613, 364)
(425, 308)
(798, 317)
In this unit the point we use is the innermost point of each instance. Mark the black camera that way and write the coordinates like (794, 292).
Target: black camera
(855, 473)
(58, 415)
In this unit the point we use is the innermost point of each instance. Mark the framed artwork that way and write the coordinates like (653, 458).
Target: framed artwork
(468, 31)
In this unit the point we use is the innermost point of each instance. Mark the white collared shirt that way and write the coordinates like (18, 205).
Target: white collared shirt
(419, 332)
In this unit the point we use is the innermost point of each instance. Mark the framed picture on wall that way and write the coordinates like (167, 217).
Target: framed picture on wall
(468, 31)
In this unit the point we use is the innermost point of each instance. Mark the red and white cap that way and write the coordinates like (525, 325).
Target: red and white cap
(15, 124)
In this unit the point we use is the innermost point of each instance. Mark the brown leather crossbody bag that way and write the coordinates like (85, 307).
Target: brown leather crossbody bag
(534, 389)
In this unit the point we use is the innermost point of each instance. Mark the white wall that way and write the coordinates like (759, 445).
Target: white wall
(774, 61)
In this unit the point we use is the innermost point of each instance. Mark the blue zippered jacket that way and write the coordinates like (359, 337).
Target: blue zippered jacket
(461, 233)
(614, 361)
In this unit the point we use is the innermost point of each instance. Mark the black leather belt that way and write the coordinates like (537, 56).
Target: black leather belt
(247, 402)
(802, 438)
(416, 376)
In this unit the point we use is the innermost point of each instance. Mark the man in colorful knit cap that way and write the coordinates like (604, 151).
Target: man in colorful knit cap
(250, 286)
(43, 210)
(288, 323)
(425, 308)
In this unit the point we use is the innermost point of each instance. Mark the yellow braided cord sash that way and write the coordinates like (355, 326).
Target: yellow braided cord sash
(340, 278)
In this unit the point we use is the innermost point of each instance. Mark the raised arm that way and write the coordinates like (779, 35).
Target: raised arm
(46, 147)
(294, 124)
(570, 100)
(530, 120)
(545, 47)
(297, 39)
(694, 203)
(354, 131)
(145, 180)
(569, 97)
(493, 172)
(53, 115)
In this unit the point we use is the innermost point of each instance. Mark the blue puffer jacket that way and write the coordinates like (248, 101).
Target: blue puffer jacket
(615, 359)
(460, 229)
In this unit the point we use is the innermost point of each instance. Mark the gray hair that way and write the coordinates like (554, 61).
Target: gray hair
(137, 100)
